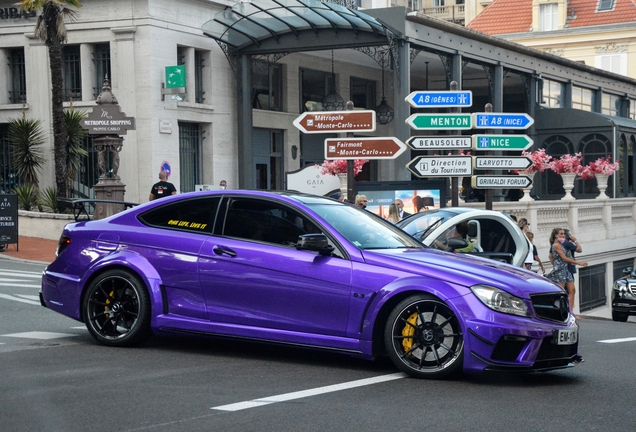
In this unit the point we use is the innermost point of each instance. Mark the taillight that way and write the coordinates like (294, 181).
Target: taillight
(61, 245)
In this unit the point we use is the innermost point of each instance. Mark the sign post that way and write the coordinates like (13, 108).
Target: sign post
(9, 220)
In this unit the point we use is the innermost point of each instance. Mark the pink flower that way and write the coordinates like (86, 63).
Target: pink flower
(540, 160)
(567, 164)
(339, 166)
(599, 166)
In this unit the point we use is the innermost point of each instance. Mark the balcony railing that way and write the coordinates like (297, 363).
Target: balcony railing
(453, 13)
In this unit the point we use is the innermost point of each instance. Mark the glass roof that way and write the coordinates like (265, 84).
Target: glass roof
(251, 22)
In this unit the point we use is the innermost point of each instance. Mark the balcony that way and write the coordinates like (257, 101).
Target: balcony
(452, 13)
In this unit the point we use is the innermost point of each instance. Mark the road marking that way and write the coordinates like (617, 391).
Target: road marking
(307, 393)
(630, 339)
(18, 299)
(39, 335)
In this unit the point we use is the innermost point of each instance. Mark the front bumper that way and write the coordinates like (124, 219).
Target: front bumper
(624, 305)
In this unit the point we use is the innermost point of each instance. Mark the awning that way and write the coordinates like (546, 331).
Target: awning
(292, 25)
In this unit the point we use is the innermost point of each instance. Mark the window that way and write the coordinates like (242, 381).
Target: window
(592, 287)
(621, 265)
(101, 60)
(582, 99)
(190, 137)
(363, 93)
(17, 89)
(195, 215)
(88, 173)
(592, 147)
(313, 89)
(552, 94)
(632, 109)
(267, 79)
(71, 73)
(616, 63)
(552, 183)
(413, 5)
(611, 105)
(8, 177)
(548, 17)
(605, 5)
(199, 64)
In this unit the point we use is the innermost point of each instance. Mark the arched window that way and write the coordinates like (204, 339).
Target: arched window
(592, 147)
(555, 146)
(621, 175)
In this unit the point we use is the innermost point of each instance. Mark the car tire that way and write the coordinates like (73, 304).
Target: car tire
(620, 317)
(424, 339)
(116, 309)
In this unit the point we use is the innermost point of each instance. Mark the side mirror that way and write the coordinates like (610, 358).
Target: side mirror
(455, 243)
(314, 242)
(627, 270)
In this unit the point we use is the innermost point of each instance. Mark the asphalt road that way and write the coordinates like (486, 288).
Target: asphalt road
(54, 377)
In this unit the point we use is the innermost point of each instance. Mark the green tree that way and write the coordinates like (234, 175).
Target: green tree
(75, 135)
(26, 138)
(51, 29)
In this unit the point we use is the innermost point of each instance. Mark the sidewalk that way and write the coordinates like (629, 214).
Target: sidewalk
(31, 249)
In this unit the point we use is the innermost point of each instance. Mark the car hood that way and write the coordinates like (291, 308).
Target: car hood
(463, 269)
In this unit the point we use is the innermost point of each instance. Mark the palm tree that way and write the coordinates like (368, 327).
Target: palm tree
(75, 134)
(51, 29)
(25, 138)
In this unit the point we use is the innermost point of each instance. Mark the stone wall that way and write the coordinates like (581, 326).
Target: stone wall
(42, 225)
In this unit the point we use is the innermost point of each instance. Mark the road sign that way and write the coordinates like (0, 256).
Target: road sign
(441, 166)
(501, 162)
(502, 142)
(363, 148)
(502, 121)
(449, 142)
(500, 182)
(336, 121)
(440, 99)
(440, 121)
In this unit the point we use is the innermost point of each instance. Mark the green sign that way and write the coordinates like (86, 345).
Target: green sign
(440, 121)
(175, 76)
(502, 142)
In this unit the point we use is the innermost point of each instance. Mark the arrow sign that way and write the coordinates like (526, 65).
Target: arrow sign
(363, 148)
(502, 142)
(449, 142)
(440, 121)
(441, 166)
(502, 121)
(501, 163)
(440, 99)
(500, 182)
(336, 121)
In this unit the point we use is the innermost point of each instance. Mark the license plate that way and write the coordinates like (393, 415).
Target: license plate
(565, 337)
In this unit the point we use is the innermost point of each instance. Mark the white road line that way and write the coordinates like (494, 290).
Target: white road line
(29, 297)
(20, 285)
(307, 393)
(15, 273)
(39, 335)
(630, 339)
(10, 297)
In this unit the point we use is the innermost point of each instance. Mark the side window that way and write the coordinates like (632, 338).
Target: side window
(266, 221)
(495, 237)
(195, 215)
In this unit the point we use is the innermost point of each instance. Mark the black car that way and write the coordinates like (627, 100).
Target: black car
(624, 300)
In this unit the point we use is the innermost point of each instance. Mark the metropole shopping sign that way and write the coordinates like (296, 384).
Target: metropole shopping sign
(107, 119)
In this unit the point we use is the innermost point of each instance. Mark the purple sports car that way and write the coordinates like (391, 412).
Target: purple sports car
(309, 271)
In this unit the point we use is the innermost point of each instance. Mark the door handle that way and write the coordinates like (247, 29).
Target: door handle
(223, 251)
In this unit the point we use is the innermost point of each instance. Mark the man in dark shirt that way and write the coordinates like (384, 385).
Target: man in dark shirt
(162, 188)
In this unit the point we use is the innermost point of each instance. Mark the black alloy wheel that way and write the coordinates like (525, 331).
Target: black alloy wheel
(116, 309)
(424, 339)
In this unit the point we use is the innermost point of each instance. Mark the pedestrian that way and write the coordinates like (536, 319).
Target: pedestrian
(223, 185)
(162, 188)
(560, 272)
(400, 204)
(535, 253)
(394, 214)
(524, 225)
(361, 201)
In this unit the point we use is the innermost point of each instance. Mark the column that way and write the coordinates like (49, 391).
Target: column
(245, 124)
(396, 169)
(88, 73)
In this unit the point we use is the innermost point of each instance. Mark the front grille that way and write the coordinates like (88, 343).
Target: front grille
(553, 307)
(508, 349)
(632, 289)
(554, 356)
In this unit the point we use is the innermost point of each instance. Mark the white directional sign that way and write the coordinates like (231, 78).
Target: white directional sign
(450, 142)
(500, 182)
(502, 121)
(441, 166)
(501, 162)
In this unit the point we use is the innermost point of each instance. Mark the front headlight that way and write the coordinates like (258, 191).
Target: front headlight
(500, 301)
(621, 286)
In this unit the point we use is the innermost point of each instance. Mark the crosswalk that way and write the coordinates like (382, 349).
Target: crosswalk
(20, 286)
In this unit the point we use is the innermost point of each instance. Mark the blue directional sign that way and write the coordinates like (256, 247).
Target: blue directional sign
(440, 99)
(502, 121)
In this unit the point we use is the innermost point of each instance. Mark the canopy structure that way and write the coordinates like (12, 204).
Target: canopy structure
(270, 26)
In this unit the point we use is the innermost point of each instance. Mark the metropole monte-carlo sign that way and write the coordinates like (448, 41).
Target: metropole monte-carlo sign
(107, 119)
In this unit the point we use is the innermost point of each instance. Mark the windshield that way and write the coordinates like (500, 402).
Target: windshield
(422, 224)
(364, 229)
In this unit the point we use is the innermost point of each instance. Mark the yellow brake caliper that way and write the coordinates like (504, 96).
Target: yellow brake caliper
(409, 330)
(106, 308)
